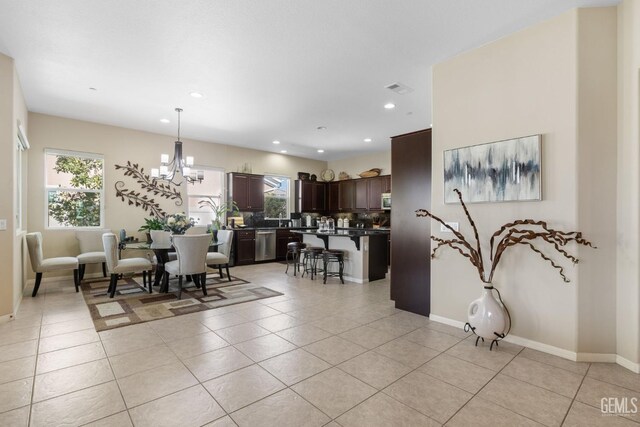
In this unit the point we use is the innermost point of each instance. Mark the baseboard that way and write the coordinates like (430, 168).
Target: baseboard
(556, 351)
(353, 279)
(6, 318)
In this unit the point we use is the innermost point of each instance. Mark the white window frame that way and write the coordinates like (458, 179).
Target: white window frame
(22, 144)
(47, 188)
(288, 196)
(222, 191)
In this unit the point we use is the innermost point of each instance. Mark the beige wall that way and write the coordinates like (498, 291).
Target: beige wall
(355, 165)
(628, 176)
(119, 145)
(521, 85)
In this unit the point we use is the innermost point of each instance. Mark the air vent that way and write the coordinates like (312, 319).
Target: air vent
(399, 88)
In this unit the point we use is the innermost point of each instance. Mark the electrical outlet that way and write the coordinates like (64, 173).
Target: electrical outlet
(453, 225)
(3, 224)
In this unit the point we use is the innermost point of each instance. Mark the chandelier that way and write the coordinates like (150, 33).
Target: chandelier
(168, 170)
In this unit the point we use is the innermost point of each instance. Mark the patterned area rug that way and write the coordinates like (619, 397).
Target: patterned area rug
(132, 304)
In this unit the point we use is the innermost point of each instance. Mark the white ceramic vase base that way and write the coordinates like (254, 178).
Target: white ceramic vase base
(487, 318)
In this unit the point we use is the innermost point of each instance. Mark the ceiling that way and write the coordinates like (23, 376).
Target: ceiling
(268, 69)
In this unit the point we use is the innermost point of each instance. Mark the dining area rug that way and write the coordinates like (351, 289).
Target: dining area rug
(132, 304)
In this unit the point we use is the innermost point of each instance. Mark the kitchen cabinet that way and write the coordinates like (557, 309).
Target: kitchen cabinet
(245, 244)
(362, 194)
(283, 238)
(311, 196)
(347, 195)
(247, 190)
(376, 187)
(333, 198)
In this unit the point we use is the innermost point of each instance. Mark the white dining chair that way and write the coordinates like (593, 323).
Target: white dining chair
(220, 258)
(91, 250)
(40, 265)
(122, 266)
(196, 229)
(192, 255)
(162, 237)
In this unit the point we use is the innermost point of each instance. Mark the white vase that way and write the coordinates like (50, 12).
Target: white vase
(487, 316)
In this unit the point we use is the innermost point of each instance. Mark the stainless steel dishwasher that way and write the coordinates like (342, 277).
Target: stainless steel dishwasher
(265, 245)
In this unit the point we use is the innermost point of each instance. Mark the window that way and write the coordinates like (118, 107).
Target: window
(276, 196)
(22, 144)
(74, 185)
(212, 186)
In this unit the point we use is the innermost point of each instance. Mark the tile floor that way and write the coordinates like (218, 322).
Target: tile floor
(335, 355)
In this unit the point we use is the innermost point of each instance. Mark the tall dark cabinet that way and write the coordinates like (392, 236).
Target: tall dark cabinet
(410, 243)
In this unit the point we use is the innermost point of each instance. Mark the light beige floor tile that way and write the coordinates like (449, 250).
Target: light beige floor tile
(558, 362)
(241, 388)
(581, 415)
(66, 316)
(375, 369)
(294, 366)
(336, 324)
(140, 330)
(333, 391)
(65, 327)
(494, 359)
(413, 319)
(180, 329)
(303, 334)
(222, 422)
(15, 394)
(615, 374)
(224, 321)
(480, 412)
(286, 306)
(121, 419)
(259, 349)
(64, 358)
(243, 332)
(137, 361)
(258, 311)
(458, 372)
(428, 395)
(198, 344)
(383, 411)
(16, 418)
(335, 350)
(408, 353)
(367, 337)
(283, 409)
(149, 385)
(448, 329)
(190, 407)
(17, 369)
(546, 376)
(278, 323)
(72, 339)
(396, 326)
(432, 339)
(19, 335)
(71, 379)
(129, 343)
(18, 350)
(80, 407)
(527, 400)
(216, 363)
(592, 392)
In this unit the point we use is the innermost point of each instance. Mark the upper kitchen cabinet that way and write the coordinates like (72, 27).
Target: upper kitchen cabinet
(375, 188)
(362, 194)
(310, 196)
(347, 197)
(247, 190)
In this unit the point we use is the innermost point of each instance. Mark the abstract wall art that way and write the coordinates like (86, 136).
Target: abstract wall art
(499, 171)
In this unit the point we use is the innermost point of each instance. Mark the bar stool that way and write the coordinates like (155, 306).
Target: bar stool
(293, 255)
(329, 257)
(312, 254)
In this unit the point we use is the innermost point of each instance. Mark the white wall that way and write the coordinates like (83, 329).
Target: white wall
(355, 165)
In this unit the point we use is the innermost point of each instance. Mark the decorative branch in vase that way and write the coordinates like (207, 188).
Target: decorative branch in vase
(219, 210)
(489, 318)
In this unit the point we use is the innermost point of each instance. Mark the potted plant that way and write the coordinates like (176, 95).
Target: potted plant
(219, 210)
(178, 223)
(488, 318)
(152, 223)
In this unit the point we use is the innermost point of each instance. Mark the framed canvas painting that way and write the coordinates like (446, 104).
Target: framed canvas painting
(501, 171)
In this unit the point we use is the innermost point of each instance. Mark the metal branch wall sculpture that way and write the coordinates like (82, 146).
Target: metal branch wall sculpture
(148, 184)
(520, 232)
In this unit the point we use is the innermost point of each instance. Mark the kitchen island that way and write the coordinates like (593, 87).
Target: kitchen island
(365, 250)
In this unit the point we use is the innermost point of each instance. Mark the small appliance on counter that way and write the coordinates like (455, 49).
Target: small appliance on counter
(386, 201)
(309, 221)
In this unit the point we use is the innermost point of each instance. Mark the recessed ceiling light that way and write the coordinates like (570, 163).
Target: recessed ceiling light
(283, 151)
(276, 142)
(321, 128)
(165, 121)
(321, 151)
(367, 140)
(196, 94)
(92, 88)
(389, 106)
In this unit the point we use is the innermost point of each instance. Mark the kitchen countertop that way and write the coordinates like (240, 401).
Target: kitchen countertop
(315, 229)
(353, 233)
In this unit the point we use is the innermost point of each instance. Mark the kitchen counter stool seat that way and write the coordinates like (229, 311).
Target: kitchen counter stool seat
(41, 265)
(312, 255)
(294, 256)
(335, 257)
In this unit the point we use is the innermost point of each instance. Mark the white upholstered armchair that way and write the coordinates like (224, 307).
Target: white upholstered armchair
(122, 266)
(40, 265)
(221, 258)
(91, 250)
(192, 255)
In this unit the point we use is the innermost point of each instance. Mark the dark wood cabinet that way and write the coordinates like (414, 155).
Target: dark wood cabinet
(245, 246)
(247, 191)
(333, 197)
(283, 238)
(377, 186)
(362, 194)
(310, 196)
(347, 195)
(410, 246)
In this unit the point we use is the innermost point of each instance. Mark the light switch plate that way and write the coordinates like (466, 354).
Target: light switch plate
(453, 225)
(3, 224)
